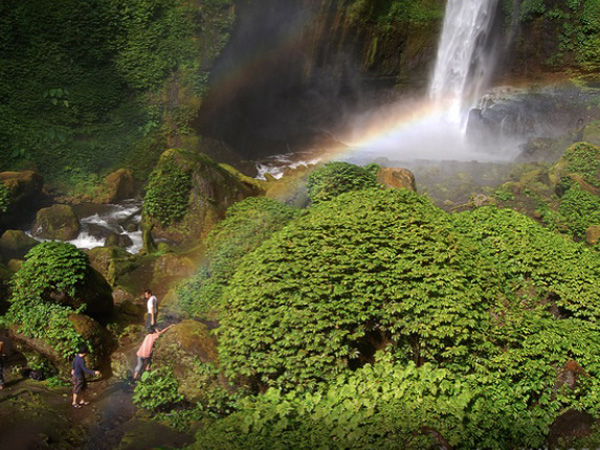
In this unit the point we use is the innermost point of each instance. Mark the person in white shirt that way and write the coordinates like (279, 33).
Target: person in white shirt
(152, 310)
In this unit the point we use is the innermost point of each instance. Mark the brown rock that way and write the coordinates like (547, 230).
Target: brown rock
(396, 178)
(592, 235)
(56, 222)
(99, 339)
(183, 347)
(119, 185)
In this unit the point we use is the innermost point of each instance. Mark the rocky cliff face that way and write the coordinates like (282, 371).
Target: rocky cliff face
(294, 70)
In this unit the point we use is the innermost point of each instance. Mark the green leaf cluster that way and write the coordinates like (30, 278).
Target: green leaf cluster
(388, 405)
(248, 223)
(5, 198)
(364, 270)
(51, 273)
(168, 193)
(335, 178)
(157, 391)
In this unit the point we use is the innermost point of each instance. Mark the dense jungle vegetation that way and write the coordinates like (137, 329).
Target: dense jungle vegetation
(354, 315)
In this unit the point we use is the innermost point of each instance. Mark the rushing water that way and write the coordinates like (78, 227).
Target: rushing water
(98, 221)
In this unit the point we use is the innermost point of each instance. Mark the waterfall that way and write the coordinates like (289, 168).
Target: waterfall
(466, 55)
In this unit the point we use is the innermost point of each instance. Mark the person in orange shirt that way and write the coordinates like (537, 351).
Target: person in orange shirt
(144, 353)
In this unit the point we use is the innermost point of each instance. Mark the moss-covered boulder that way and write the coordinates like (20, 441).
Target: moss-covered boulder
(14, 244)
(185, 348)
(397, 178)
(188, 193)
(112, 262)
(99, 339)
(591, 133)
(56, 222)
(119, 185)
(19, 196)
(172, 266)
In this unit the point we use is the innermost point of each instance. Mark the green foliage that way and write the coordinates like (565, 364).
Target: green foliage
(157, 391)
(335, 178)
(5, 199)
(247, 225)
(584, 159)
(530, 9)
(395, 14)
(504, 195)
(366, 269)
(579, 209)
(535, 265)
(84, 83)
(168, 193)
(51, 270)
(389, 406)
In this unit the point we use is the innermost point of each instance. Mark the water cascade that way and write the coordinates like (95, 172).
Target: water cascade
(434, 127)
(466, 56)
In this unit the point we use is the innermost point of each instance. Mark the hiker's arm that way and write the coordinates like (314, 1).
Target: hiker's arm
(165, 329)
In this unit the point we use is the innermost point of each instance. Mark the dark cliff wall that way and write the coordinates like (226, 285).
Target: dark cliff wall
(294, 70)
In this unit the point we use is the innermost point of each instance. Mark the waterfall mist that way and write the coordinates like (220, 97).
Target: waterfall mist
(434, 127)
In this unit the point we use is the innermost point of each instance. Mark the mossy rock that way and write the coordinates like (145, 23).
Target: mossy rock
(117, 186)
(592, 235)
(172, 266)
(112, 262)
(99, 339)
(56, 222)
(24, 192)
(591, 133)
(14, 244)
(118, 240)
(188, 194)
(183, 347)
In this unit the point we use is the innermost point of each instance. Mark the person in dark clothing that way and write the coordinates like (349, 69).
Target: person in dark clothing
(78, 372)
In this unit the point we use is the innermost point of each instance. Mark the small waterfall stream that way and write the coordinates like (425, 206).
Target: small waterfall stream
(466, 55)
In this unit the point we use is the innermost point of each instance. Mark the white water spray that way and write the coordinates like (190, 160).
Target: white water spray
(466, 57)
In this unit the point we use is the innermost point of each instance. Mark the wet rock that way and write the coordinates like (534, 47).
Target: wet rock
(118, 240)
(14, 244)
(56, 222)
(183, 347)
(132, 227)
(119, 185)
(396, 178)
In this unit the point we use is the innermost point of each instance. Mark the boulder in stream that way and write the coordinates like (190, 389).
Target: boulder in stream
(56, 222)
(14, 244)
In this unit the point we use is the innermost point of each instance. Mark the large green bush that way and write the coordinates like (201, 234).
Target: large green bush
(52, 273)
(389, 405)
(366, 269)
(534, 266)
(247, 225)
(335, 178)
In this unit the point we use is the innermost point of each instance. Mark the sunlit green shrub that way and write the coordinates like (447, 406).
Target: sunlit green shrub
(157, 391)
(335, 178)
(366, 269)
